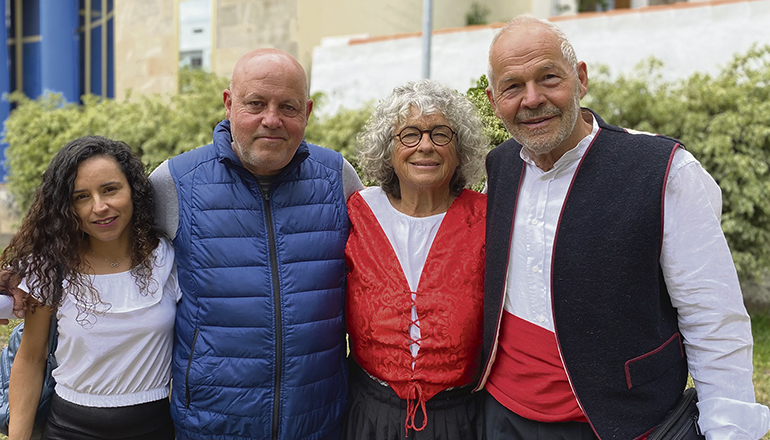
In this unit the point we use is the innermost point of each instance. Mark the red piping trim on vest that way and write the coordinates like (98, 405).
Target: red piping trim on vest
(650, 353)
(646, 434)
(663, 196)
(553, 254)
(495, 341)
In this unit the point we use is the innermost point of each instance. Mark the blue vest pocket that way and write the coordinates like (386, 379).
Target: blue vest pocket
(187, 373)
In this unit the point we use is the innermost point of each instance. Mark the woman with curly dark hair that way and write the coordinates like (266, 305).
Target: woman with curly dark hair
(90, 235)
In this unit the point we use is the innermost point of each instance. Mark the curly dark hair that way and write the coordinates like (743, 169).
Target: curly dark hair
(48, 246)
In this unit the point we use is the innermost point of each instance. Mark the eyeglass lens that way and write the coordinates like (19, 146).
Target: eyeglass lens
(440, 135)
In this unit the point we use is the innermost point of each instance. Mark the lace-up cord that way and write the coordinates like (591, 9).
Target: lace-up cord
(411, 408)
(413, 322)
(412, 404)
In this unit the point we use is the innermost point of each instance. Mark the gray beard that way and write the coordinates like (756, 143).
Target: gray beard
(537, 145)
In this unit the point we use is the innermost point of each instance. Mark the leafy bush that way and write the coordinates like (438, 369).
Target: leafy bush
(724, 121)
(493, 127)
(156, 127)
(337, 131)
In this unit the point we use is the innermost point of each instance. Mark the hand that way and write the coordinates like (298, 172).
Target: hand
(19, 302)
(9, 282)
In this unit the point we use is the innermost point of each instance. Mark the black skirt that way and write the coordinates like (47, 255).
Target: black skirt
(146, 421)
(375, 412)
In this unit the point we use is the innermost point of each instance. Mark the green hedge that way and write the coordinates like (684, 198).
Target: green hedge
(157, 127)
(723, 120)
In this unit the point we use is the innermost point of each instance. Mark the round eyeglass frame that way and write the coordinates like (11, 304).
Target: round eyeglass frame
(422, 132)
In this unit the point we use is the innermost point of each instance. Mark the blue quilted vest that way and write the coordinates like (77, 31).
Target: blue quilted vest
(260, 334)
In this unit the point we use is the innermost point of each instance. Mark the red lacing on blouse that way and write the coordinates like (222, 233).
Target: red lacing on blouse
(412, 404)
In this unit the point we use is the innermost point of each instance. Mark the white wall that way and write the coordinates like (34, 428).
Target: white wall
(349, 75)
(687, 37)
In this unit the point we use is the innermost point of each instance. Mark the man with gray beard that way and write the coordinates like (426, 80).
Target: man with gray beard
(608, 277)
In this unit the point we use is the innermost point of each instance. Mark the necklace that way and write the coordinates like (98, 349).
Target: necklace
(115, 265)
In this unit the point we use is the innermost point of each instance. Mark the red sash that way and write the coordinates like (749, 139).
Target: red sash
(528, 376)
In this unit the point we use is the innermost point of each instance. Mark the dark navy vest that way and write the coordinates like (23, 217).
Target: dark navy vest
(615, 326)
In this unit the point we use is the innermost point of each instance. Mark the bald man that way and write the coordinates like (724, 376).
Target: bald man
(608, 277)
(259, 224)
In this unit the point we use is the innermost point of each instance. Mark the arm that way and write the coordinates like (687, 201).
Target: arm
(27, 373)
(166, 201)
(703, 285)
(11, 297)
(350, 180)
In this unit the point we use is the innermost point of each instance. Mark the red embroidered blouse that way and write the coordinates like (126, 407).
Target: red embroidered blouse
(449, 301)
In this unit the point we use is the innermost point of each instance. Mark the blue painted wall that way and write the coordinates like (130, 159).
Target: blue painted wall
(53, 60)
(5, 87)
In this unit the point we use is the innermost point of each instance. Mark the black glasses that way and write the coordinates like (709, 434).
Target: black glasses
(440, 135)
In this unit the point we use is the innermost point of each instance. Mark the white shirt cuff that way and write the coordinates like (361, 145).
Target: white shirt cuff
(729, 419)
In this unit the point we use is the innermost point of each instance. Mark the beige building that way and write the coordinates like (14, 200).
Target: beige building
(146, 42)
(328, 18)
(150, 34)
(152, 37)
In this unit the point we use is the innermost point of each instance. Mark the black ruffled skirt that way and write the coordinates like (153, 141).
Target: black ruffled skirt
(375, 412)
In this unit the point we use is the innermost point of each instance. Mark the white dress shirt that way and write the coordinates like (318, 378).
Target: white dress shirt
(698, 270)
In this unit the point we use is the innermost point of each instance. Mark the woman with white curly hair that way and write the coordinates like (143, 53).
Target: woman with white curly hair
(416, 269)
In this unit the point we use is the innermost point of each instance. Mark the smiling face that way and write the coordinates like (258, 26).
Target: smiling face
(424, 166)
(102, 201)
(536, 93)
(268, 110)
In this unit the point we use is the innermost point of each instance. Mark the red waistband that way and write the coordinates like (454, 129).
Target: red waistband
(528, 376)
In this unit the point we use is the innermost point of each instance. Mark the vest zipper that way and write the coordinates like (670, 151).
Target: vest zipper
(187, 373)
(278, 322)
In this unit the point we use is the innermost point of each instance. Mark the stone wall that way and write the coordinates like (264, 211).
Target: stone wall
(244, 25)
(146, 47)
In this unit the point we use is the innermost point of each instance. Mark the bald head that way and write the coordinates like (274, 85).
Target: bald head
(535, 90)
(268, 109)
(268, 56)
(524, 22)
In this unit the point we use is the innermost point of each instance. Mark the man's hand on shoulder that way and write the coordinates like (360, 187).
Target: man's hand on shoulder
(9, 282)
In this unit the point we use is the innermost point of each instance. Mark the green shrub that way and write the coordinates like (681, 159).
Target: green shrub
(723, 120)
(156, 127)
(493, 127)
(337, 131)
